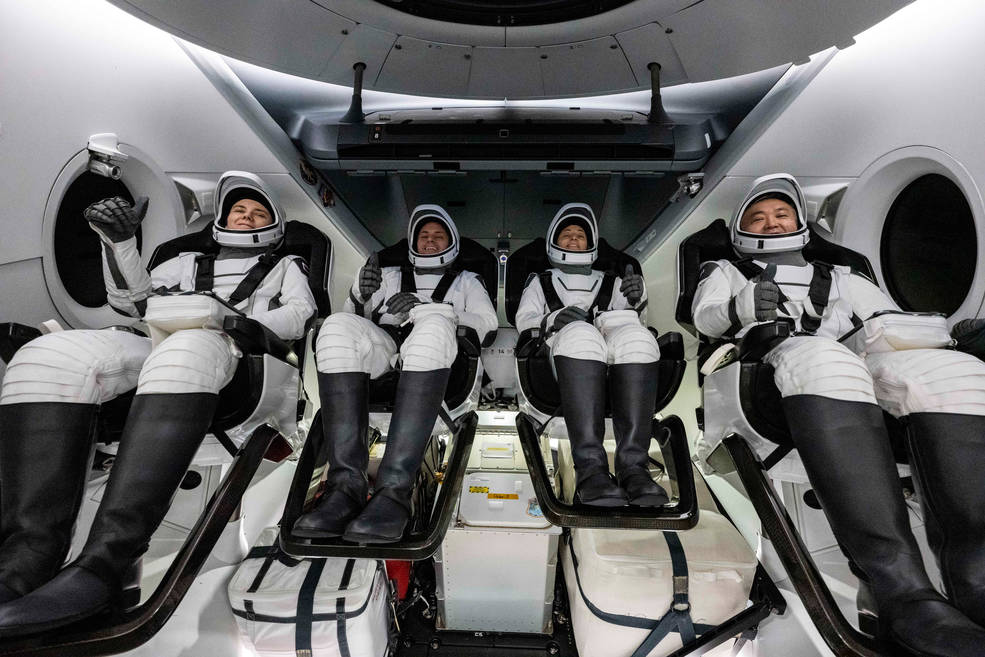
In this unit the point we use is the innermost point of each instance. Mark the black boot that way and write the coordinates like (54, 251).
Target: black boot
(419, 395)
(633, 391)
(582, 387)
(45, 448)
(845, 450)
(162, 434)
(949, 458)
(345, 421)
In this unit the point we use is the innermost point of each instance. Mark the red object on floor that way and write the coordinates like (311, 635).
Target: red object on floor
(399, 571)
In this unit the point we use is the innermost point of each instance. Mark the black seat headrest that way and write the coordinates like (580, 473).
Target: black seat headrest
(472, 257)
(531, 258)
(300, 239)
(715, 243)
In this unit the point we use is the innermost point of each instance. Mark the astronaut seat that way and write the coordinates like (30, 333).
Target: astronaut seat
(266, 386)
(430, 508)
(738, 390)
(539, 402)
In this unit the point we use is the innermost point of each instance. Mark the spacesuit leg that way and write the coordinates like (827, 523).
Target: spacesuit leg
(177, 393)
(579, 355)
(52, 389)
(940, 395)
(841, 437)
(426, 358)
(633, 382)
(349, 350)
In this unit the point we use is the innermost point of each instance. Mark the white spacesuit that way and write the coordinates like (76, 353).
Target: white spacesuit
(590, 320)
(54, 384)
(362, 343)
(833, 394)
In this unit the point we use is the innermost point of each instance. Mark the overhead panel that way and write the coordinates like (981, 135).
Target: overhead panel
(598, 54)
(651, 43)
(722, 38)
(409, 58)
(262, 33)
(505, 73)
(577, 68)
(363, 44)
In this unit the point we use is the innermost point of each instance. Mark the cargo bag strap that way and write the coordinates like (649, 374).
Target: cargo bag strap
(306, 608)
(677, 618)
(343, 640)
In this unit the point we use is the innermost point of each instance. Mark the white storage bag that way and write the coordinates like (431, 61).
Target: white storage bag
(332, 607)
(639, 593)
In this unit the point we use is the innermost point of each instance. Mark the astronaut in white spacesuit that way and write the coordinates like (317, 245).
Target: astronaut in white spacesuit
(591, 322)
(833, 397)
(54, 385)
(363, 342)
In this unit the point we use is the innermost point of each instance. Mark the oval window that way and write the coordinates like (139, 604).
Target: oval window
(929, 248)
(77, 247)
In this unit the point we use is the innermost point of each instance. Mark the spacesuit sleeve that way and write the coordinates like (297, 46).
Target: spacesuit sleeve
(533, 306)
(713, 308)
(866, 297)
(127, 282)
(478, 312)
(297, 305)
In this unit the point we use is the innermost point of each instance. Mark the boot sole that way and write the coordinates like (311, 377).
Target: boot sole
(37, 628)
(649, 500)
(369, 538)
(608, 502)
(315, 533)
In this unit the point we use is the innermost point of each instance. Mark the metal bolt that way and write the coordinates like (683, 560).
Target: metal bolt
(435, 643)
(553, 648)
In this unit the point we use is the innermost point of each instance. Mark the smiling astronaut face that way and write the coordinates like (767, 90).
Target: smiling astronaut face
(771, 216)
(247, 214)
(432, 238)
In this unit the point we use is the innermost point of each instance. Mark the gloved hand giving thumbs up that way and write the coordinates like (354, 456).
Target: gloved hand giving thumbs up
(370, 277)
(632, 286)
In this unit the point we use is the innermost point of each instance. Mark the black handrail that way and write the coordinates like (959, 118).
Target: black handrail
(843, 639)
(679, 516)
(413, 547)
(110, 635)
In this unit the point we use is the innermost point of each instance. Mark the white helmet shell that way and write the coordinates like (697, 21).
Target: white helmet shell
(581, 214)
(421, 215)
(781, 185)
(230, 188)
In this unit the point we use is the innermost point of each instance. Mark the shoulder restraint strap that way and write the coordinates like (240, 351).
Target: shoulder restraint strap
(818, 294)
(443, 285)
(604, 296)
(253, 278)
(550, 294)
(204, 272)
(407, 282)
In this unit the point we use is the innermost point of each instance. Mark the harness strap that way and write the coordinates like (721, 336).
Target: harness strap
(604, 296)
(205, 272)
(444, 284)
(407, 282)
(253, 278)
(818, 294)
(550, 294)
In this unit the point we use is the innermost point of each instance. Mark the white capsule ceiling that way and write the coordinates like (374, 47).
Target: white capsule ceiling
(693, 41)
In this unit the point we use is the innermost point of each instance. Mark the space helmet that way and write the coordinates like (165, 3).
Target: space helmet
(582, 215)
(235, 186)
(782, 186)
(421, 215)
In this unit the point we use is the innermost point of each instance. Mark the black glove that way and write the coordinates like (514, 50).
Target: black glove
(114, 219)
(567, 315)
(402, 302)
(767, 300)
(370, 277)
(970, 336)
(632, 286)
